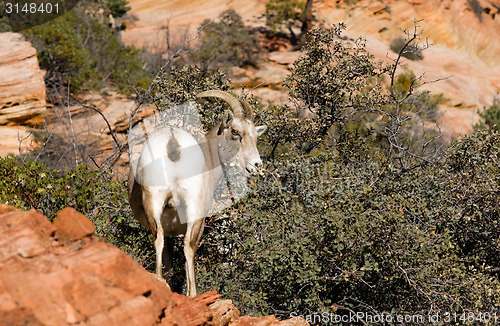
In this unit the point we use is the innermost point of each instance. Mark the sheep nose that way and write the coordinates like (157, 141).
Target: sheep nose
(256, 163)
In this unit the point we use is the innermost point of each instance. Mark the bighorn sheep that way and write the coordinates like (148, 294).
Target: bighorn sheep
(191, 170)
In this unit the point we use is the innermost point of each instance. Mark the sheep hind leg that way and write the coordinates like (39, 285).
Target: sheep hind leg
(153, 206)
(191, 240)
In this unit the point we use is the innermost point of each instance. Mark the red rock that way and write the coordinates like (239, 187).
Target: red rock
(207, 298)
(162, 299)
(19, 316)
(255, 321)
(89, 282)
(22, 86)
(73, 225)
(24, 233)
(194, 312)
(224, 312)
(87, 295)
(10, 136)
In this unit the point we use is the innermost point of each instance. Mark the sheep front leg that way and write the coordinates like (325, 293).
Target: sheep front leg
(167, 259)
(159, 243)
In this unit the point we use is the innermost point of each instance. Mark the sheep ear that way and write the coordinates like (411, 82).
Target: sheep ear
(261, 129)
(227, 120)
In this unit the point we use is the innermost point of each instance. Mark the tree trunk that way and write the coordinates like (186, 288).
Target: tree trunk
(306, 22)
(293, 38)
(118, 28)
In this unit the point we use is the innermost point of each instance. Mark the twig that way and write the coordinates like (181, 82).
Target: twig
(21, 142)
(71, 125)
(106, 120)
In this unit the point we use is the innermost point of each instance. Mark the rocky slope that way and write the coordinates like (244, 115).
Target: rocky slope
(464, 34)
(22, 89)
(464, 50)
(22, 93)
(60, 274)
(149, 19)
(465, 54)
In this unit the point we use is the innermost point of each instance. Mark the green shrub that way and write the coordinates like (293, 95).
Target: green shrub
(318, 232)
(410, 51)
(81, 52)
(290, 14)
(490, 117)
(347, 217)
(61, 52)
(424, 103)
(226, 42)
(182, 84)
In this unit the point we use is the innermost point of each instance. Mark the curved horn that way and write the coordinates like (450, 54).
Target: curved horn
(233, 102)
(248, 110)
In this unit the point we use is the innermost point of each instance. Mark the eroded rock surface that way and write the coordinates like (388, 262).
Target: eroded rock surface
(22, 88)
(60, 274)
(22, 94)
(50, 279)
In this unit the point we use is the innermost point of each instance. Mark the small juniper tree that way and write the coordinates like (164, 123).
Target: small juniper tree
(287, 13)
(226, 41)
(490, 117)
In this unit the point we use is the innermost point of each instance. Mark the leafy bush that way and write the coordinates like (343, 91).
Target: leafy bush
(490, 117)
(354, 212)
(284, 12)
(289, 13)
(226, 42)
(182, 84)
(410, 51)
(80, 51)
(343, 235)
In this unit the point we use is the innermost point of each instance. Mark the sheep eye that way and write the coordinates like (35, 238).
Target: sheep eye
(234, 132)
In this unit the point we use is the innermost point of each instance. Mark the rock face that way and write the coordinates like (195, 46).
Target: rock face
(22, 94)
(60, 274)
(48, 279)
(149, 19)
(464, 47)
(22, 88)
(92, 129)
